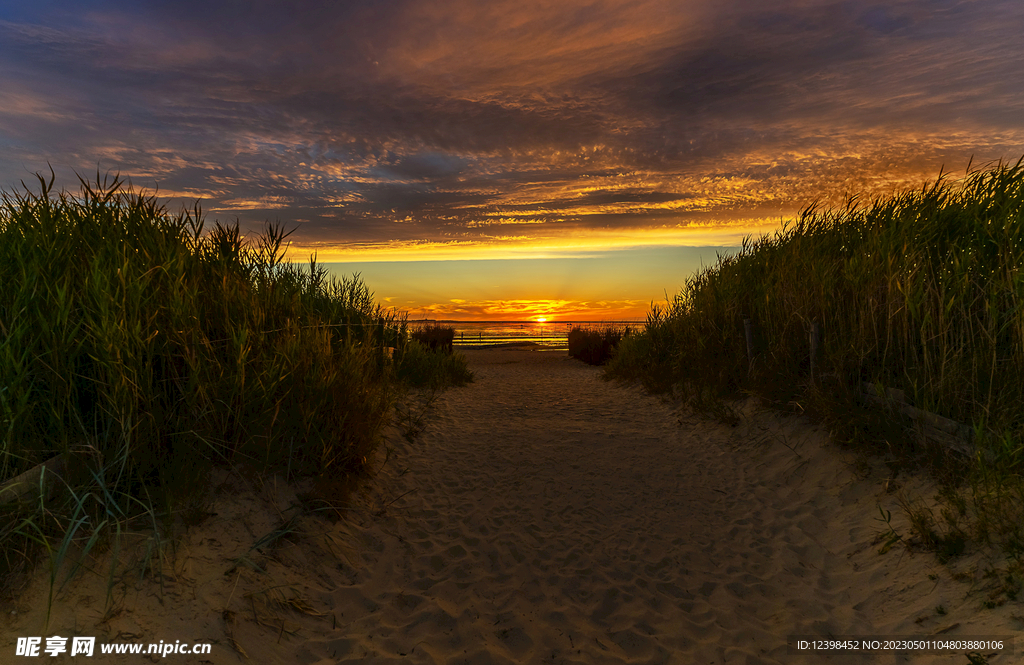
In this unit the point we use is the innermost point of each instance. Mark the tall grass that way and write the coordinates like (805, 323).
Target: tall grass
(144, 350)
(435, 337)
(595, 346)
(921, 291)
(429, 360)
(423, 367)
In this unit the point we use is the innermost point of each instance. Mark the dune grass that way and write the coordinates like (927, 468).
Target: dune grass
(435, 337)
(421, 367)
(595, 346)
(145, 350)
(428, 360)
(921, 291)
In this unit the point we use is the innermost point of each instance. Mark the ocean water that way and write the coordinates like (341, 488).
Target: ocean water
(553, 334)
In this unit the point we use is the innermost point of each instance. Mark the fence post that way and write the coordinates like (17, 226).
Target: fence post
(815, 340)
(748, 330)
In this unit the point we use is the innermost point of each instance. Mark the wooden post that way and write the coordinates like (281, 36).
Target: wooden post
(815, 340)
(748, 330)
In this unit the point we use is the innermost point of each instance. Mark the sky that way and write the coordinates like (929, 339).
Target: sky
(497, 159)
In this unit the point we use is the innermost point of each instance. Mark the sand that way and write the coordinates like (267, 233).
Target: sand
(546, 516)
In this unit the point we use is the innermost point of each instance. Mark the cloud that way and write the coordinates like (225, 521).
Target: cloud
(458, 124)
(519, 310)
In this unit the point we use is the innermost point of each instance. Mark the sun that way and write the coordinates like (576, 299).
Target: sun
(541, 319)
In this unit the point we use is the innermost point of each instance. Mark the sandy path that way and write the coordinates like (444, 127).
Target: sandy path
(553, 517)
(546, 516)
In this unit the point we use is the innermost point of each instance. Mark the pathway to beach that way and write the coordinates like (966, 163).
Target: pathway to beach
(546, 516)
(549, 516)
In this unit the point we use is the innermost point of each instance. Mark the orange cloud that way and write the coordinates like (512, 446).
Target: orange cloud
(552, 245)
(521, 310)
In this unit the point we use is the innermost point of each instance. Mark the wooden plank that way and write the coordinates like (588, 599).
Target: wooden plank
(748, 333)
(928, 425)
(26, 487)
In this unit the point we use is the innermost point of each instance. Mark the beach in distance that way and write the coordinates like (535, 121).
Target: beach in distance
(544, 515)
(474, 334)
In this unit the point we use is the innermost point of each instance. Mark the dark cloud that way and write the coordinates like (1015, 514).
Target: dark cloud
(382, 121)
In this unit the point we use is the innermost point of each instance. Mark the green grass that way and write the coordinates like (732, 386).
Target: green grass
(147, 349)
(921, 291)
(421, 367)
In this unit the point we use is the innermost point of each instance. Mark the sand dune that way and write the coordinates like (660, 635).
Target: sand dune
(544, 515)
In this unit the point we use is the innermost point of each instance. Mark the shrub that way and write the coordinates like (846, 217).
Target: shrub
(421, 367)
(594, 347)
(436, 337)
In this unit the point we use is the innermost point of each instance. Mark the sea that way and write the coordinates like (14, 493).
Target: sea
(552, 334)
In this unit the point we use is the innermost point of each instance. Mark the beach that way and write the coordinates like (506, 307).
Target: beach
(543, 515)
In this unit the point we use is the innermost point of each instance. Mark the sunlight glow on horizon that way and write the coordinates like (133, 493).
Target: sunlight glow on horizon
(602, 285)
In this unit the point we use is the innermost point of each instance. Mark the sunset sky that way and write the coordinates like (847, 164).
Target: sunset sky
(511, 158)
